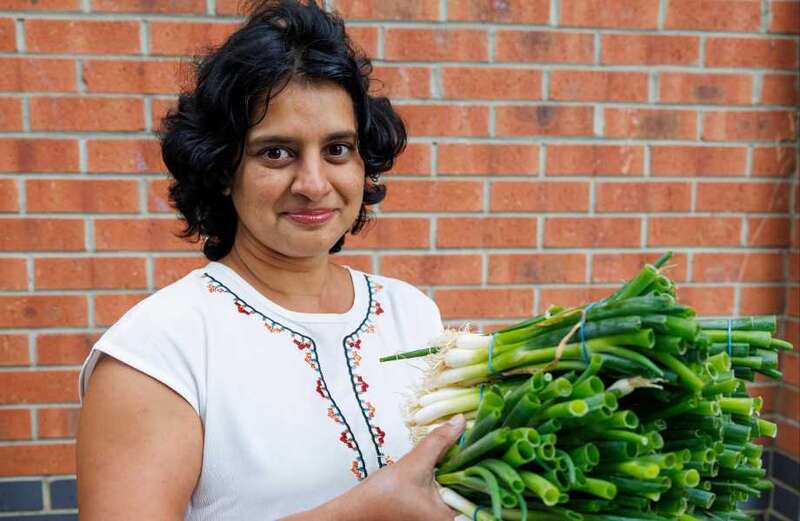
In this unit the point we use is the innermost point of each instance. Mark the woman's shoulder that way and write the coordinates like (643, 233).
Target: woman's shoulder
(405, 294)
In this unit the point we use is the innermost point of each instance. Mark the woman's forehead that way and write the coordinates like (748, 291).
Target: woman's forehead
(303, 109)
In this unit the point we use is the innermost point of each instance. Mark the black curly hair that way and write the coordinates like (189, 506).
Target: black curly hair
(202, 140)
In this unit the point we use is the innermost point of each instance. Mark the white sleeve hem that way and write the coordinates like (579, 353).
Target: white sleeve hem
(140, 365)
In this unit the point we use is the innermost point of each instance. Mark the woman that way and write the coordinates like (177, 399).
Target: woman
(251, 388)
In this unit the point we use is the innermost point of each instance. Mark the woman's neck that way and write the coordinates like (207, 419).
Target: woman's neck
(309, 284)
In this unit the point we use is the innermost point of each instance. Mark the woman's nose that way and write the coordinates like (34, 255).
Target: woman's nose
(311, 180)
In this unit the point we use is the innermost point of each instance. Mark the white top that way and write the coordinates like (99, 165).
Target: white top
(295, 407)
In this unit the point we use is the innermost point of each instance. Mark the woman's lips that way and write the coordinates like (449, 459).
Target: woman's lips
(311, 217)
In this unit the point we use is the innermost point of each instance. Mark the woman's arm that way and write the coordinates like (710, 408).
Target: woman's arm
(140, 447)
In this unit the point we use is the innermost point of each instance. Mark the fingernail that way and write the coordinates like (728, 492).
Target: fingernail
(457, 420)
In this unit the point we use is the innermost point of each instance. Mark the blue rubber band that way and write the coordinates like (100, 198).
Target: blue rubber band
(475, 514)
(480, 392)
(461, 439)
(584, 349)
(730, 338)
(491, 351)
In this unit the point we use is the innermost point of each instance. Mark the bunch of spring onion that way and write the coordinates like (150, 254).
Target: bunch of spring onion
(627, 408)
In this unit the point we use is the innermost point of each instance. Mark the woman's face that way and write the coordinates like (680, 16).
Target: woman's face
(300, 183)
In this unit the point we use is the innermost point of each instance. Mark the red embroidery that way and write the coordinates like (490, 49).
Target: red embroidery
(378, 308)
(380, 434)
(355, 343)
(301, 345)
(362, 385)
(321, 389)
(344, 438)
(240, 308)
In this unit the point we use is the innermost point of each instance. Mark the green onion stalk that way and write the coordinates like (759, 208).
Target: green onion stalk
(629, 407)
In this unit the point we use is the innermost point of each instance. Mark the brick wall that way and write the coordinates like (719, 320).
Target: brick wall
(555, 145)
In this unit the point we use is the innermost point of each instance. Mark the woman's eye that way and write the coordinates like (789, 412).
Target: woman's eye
(339, 149)
(275, 154)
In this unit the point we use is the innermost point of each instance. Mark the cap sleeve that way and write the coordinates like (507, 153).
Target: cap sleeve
(163, 341)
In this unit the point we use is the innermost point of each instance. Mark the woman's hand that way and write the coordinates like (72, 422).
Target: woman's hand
(404, 490)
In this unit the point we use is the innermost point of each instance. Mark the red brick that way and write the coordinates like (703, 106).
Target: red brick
(494, 83)
(540, 196)
(387, 232)
(58, 422)
(487, 159)
(50, 234)
(649, 49)
(781, 89)
(230, 7)
(793, 301)
(790, 365)
(364, 38)
(139, 234)
(545, 120)
(598, 86)
(484, 303)
(650, 123)
(108, 308)
(789, 403)
(486, 232)
(737, 267)
(749, 125)
(14, 350)
(415, 160)
(743, 197)
(89, 273)
(9, 196)
(694, 231)
(87, 114)
(388, 10)
(134, 77)
(708, 300)
(167, 270)
(73, 195)
(361, 263)
(643, 197)
(38, 155)
(713, 15)
(513, 11)
(8, 35)
(434, 196)
(627, 160)
(15, 424)
(401, 82)
(436, 44)
(187, 38)
(64, 348)
(768, 393)
(37, 74)
(149, 6)
(698, 161)
(445, 120)
(37, 460)
(10, 114)
(544, 46)
(13, 274)
(794, 267)
(756, 53)
(591, 232)
(23, 387)
(762, 300)
(570, 297)
(433, 269)
(42, 311)
(784, 16)
(537, 268)
(160, 106)
(629, 14)
(620, 267)
(125, 156)
(158, 196)
(768, 231)
(729, 89)
(44, 5)
(82, 36)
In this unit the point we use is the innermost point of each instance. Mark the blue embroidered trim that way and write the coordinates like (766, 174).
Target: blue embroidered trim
(348, 344)
(322, 389)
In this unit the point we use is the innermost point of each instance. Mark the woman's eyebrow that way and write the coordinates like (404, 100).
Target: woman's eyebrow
(287, 140)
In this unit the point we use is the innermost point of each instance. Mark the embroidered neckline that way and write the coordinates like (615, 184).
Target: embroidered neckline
(302, 343)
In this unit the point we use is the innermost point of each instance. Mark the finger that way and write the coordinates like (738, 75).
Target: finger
(431, 449)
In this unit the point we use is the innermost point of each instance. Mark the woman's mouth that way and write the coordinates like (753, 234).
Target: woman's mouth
(311, 217)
